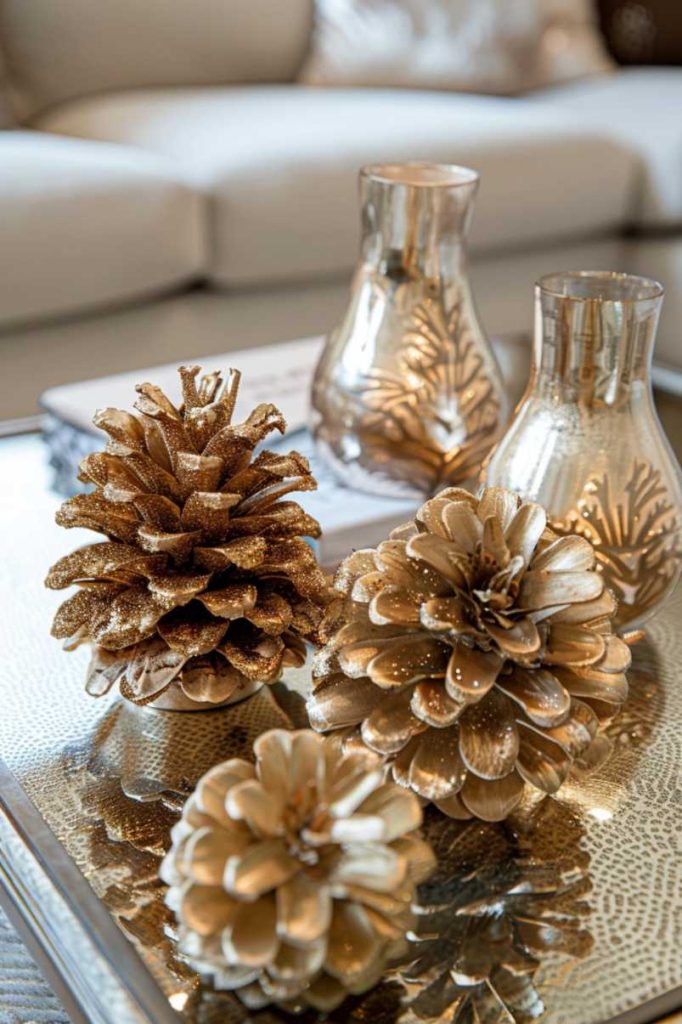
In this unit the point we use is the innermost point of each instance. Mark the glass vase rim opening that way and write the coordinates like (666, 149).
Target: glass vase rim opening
(603, 286)
(421, 174)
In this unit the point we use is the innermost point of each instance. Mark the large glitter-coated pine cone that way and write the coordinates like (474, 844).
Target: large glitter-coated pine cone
(475, 651)
(205, 588)
(292, 879)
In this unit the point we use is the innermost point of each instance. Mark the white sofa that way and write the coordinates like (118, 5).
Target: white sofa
(168, 191)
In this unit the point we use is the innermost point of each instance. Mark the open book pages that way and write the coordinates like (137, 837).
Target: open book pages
(272, 373)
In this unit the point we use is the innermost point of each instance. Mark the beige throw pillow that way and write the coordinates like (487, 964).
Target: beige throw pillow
(488, 46)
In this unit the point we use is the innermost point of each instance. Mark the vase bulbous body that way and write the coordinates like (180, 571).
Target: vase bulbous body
(586, 441)
(407, 397)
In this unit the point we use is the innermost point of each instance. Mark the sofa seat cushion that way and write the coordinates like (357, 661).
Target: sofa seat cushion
(280, 164)
(88, 223)
(643, 108)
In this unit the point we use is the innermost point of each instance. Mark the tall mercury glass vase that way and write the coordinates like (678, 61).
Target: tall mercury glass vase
(407, 397)
(586, 441)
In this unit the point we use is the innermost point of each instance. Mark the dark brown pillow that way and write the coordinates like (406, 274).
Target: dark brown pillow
(642, 31)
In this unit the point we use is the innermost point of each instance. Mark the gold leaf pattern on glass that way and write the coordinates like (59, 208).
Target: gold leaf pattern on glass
(407, 396)
(440, 390)
(586, 440)
(636, 536)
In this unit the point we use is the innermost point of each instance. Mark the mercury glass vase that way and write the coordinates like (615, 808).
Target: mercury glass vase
(586, 441)
(407, 397)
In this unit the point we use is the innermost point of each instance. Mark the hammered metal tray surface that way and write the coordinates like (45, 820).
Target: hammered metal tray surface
(579, 900)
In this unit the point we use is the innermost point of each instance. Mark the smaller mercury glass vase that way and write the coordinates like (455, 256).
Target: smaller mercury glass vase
(407, 397)
(586, 441)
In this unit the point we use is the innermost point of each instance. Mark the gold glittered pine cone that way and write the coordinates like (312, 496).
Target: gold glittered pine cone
(292, 878)
(205, 588)
(475, 652)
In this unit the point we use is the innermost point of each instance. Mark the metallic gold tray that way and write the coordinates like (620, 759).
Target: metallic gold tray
(579, 900)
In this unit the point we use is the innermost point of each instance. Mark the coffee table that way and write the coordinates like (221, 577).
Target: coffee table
(87, 790)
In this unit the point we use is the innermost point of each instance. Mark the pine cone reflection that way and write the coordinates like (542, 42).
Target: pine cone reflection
(503, 898)
(475, 652)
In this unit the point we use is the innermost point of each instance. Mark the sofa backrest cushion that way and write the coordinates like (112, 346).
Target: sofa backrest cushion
(57, 50)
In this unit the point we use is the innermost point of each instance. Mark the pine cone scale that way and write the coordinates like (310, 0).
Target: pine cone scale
(132, 616)
(577, 732)
(491, 802)
(91, 512)
(489, 737)
(96, 561)
(574, 645)
(471, 673)
(154, 509)
(81, 610)
(431, 704)
(233, 601)
(178, 546)
(425, 774)
(180, 587)
(152, 668)
(539, 693)
(304, 911)
(542, 589)
(520, 640)
(541, 762)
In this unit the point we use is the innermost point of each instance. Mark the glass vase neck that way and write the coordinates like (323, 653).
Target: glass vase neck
(415, 217)
(594, 335)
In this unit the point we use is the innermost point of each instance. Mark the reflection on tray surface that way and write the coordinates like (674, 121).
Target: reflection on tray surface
(503, 898)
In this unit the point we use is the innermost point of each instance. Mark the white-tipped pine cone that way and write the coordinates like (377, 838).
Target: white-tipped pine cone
(475, 652)
(205, 588)
(292, 878)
